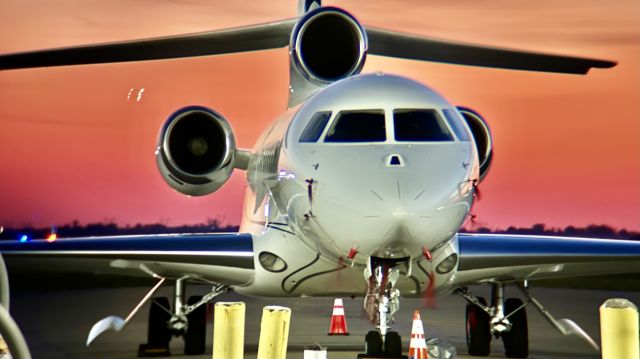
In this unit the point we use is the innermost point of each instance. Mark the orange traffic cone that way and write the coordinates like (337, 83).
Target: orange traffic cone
(338, 321)
(418, 346)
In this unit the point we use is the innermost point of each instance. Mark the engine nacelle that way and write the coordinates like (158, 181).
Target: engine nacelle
(196, 151)
(482, 136)
(328, 44)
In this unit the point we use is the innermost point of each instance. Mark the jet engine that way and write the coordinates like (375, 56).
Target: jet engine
(328, 44)
(482, 135)
(196, 151)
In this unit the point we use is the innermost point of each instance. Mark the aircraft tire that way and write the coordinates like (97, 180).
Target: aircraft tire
(195, 337)
(158, 334)
(516, 341)
(373, 343)
(478, 330)
(393, 345)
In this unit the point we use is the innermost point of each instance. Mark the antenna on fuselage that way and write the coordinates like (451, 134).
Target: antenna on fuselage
(304, 6)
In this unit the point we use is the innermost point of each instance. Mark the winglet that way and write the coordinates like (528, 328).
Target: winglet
(569, 327)
(117, 323)
(109, 323)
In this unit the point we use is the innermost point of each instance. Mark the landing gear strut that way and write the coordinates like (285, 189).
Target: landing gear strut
(187, 320)
(381, 302)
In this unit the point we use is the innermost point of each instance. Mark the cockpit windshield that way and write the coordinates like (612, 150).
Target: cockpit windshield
(457, 124)
(366, 125)
(413, 125)
(358, 126)
(315, 127)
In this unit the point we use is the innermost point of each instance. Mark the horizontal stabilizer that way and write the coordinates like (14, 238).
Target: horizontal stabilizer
(277, 34)
(248, 38)
(394, 44)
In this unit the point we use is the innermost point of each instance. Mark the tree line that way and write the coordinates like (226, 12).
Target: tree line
(590, 231)
(75, 229)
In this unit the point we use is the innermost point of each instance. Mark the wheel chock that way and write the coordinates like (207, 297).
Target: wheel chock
(148, 351)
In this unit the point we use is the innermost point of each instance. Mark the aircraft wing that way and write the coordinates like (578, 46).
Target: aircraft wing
(509, 258)
(223, 258)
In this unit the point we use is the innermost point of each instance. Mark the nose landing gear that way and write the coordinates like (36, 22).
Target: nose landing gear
(381, 302)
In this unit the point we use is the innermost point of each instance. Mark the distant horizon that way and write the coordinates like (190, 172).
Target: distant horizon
(216, 225)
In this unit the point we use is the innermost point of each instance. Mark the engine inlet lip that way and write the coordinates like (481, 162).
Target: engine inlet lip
(174, 119)
(306, 21)
(479, 121)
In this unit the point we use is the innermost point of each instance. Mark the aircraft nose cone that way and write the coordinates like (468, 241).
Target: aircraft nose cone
(397, 240)
(391, 201)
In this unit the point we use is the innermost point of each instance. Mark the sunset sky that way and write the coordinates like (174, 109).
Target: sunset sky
(77, 142)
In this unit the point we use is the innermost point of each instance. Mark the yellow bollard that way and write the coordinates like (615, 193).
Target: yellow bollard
(274, 333)
(619, 329)
(228, 330)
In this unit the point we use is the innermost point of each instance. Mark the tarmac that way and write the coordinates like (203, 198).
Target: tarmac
(56, 322)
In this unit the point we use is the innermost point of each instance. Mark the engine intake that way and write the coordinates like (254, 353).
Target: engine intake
(482, 136)
(196, 151)
(328, 44)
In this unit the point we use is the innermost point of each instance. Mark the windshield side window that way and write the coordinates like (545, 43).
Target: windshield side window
(358, 126)
(420, 126)
(457, 124)
(314, 128)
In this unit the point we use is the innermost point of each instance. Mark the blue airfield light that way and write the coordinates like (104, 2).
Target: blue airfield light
(24, 238)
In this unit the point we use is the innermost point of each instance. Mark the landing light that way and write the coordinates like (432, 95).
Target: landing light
(447, 264)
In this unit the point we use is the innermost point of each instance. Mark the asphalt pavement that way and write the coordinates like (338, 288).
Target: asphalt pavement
(56, 322)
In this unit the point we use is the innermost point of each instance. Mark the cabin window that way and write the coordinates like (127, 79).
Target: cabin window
(314, 129)
(420, 126)
(358, 126)
(457, 124)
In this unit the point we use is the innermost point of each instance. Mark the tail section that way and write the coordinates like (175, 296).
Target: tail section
(304, 6)
(326, 44)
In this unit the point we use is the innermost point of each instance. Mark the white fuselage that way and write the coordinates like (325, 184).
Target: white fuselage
(325, 203)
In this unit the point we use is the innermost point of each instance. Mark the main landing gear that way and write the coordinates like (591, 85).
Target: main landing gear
(187, 319)
(503, 319)
(381, 302)
(507, 320)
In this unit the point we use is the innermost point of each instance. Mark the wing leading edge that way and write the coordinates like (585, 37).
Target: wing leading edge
(219, 257)
(487, 257)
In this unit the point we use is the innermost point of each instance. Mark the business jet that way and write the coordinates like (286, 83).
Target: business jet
(365, 177)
